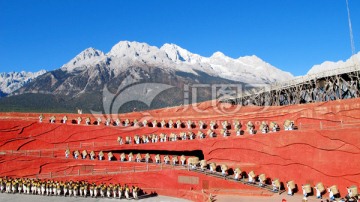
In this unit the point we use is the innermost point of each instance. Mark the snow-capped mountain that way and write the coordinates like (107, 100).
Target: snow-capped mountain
(328, 65)
(172, 57)
(81, 81)
(9, 82)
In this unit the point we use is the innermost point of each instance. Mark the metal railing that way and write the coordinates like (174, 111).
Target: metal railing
(321, 125)
(149, 167)
(302, 79)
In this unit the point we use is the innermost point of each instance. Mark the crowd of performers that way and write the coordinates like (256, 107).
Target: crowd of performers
(224, 131)
(67, 188)
(264, 126)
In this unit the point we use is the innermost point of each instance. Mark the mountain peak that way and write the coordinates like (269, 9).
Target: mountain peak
(89, 53)
(328, 65)
(218, 54)
(9, 82)
(178, 54)
(127, 48)
(85, 57)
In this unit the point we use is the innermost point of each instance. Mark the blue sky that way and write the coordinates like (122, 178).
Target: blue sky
(292, 35)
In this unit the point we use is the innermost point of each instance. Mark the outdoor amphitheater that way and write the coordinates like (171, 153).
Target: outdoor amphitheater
(259, 151)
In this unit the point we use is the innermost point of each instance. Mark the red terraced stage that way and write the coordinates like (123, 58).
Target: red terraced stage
(324, 148)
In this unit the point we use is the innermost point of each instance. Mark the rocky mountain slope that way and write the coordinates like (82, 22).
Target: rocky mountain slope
(10, 82)
(93, 78)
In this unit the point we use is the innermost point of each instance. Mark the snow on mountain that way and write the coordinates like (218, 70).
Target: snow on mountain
(9, 82)
(170, 57)
(87, 57)
(328, 65)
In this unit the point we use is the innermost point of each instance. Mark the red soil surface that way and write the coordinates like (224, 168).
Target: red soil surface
(325, 148)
